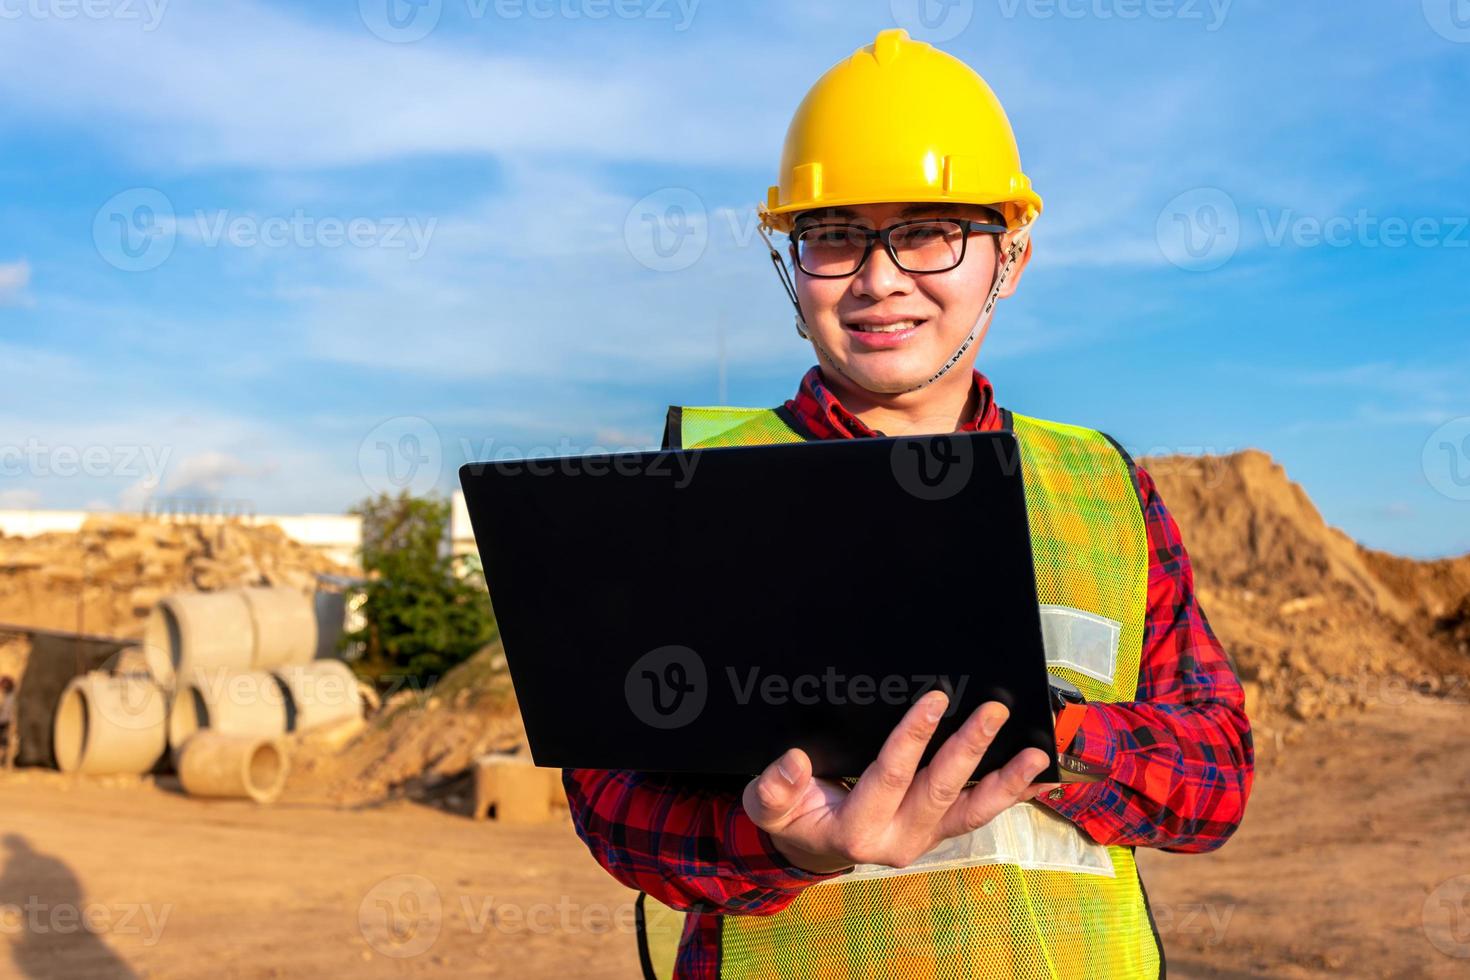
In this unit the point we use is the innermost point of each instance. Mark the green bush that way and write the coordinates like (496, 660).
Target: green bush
(426, 610)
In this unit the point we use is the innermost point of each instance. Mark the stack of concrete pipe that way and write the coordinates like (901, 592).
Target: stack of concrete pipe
(239, 629)
(230, 674)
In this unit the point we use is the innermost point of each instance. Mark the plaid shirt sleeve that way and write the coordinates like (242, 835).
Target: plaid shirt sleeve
(1179, 758)
(688, 844)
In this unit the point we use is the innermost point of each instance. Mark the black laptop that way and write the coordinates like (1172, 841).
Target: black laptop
(702, 611)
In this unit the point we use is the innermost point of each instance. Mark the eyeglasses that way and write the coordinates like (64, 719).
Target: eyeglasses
(923, 246)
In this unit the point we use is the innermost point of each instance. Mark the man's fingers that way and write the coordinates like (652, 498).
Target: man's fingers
(770, 797)
(940, 783)
(1004, 788)
(877, 795)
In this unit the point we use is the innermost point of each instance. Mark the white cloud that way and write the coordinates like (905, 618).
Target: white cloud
(239, 83)
(14, 278)
(19, 499)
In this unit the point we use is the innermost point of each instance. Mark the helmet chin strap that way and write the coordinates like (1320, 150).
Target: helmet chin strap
(1013, 254)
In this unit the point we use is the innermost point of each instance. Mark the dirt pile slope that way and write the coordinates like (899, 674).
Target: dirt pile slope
(105, 577)
(421, 743)
(1315, 622)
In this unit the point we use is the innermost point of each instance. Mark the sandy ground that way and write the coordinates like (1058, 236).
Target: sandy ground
(1354, 861)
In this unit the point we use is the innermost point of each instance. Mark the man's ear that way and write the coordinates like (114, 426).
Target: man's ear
(1014, 280)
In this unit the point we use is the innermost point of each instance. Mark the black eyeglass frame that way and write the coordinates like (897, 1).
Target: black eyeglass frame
(968, 227)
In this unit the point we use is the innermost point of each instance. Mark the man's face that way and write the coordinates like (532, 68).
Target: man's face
(887, 329)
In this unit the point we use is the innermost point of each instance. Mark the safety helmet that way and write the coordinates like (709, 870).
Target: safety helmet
(900, 121)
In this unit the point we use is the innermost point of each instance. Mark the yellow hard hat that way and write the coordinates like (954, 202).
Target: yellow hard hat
(900, 121)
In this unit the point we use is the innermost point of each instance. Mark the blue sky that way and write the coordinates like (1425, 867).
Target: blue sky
(289, 254)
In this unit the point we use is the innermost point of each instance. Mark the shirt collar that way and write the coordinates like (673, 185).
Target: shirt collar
(824, 417)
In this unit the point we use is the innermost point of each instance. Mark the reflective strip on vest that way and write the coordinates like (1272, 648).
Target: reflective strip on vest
(1030, 895)
(1085, 642)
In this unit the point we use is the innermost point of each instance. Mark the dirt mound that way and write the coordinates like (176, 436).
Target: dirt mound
(105, 577)
(421, 743)
(1315, 622)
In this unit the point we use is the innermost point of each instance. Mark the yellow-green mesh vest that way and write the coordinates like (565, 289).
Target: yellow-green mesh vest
(1029, 896)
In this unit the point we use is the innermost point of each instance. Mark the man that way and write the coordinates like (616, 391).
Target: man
(902, 192)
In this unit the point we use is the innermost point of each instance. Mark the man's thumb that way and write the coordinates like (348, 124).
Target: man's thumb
(772, 795)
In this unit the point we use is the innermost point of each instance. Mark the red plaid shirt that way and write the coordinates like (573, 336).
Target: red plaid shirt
(1179, 757)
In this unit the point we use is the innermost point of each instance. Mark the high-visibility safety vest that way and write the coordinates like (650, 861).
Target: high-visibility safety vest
(1029, 895)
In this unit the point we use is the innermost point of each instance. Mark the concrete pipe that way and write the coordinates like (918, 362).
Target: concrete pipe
(197, 631)
(107, 724)
(512, 790)
(285, 627)
(320, 693)
(233, 766)
(227, 702)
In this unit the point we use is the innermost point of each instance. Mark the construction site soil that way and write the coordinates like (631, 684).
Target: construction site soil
(1353, 860)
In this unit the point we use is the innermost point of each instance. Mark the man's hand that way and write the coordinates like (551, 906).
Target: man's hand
(896, 813)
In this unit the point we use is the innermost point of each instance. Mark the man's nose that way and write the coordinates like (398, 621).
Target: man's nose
(880, 277)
